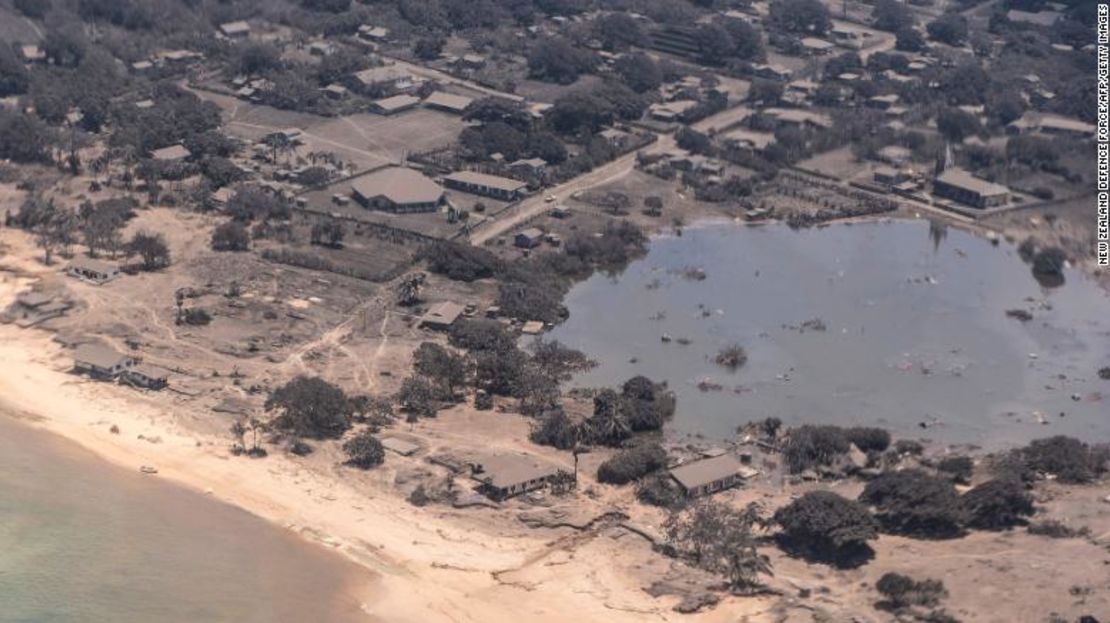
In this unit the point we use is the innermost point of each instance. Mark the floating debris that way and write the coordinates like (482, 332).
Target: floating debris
(1019, 314)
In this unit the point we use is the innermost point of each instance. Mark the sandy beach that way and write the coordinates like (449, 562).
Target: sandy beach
(428, 568)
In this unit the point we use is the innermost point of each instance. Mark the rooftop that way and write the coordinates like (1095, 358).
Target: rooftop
(702, 472)
(489, 181)
(448, 100)
(444, 313)
(97, 354)
(399, 185)
(962, 179)
(173, 152)
(505, 470)
(397, 102)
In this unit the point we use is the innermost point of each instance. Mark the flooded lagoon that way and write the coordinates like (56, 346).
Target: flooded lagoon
(81, 541)
(914, 332)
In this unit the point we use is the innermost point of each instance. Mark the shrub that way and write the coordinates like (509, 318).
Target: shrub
(914, 503)
(1049, 262)
(364, 451)
(812, 446)
(231, 236)
(868, 439)
(1056, 529)
(908, 446)
(959, 468)
(196, 317)
(732, 356)
(1069, 459)
(823, 526)
(461, 262)
(632, 464)
(997, 505)
(902, 591)
(659, 489)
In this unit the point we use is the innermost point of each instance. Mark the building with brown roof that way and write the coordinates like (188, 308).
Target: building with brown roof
(705, 476)
(397, 189)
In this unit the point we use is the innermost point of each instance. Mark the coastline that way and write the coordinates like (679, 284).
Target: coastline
(428, 567)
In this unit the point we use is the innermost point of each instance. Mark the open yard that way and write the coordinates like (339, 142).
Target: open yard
(365, 140)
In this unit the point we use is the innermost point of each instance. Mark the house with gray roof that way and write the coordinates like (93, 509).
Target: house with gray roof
(503, 188)
(506, 475)
(93, 270)
(963, 187)
(710, 475)
(100, 361)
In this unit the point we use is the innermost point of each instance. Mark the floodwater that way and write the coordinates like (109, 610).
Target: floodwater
(915, 334)
(84, 541)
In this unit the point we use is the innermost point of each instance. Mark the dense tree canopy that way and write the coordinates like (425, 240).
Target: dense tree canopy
(310, 407)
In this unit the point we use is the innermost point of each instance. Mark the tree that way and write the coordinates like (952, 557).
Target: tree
(24, 139)
(950, 28)
(639, 71)
(101, 223)
(231, 236)
(441, 366)
(959, 468)
(429, 48)
(718, 538)
(1049, 262)
(800, 16)
(809, 447)
(152, 248)
(825, 527)
(997, 504)
(608, 425)
(310, 407)
(714, 43)
(909, 40)
(554, 59)
(364, 450)
(14, 77)
(555, 429)
(765, 91)
(892, 16)
(914, 503)
(417, 397)
(54, 227)
(956, 125)
(618, 31)
(747, 43)
(653, 205)
(632, 464)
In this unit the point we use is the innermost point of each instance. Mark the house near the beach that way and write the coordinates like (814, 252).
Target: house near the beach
(506, 475)
(100, 361)
(146, 376)
(707, 476)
